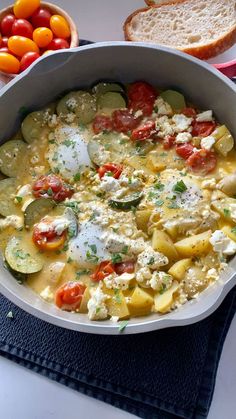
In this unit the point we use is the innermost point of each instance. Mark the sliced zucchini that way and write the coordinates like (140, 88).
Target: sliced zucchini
(111, 100)
(81, 103)
(17, 275)
(37, 210)
(127, 202)
(175, 99)
(11, 156)
(109, 147)
(102, 87)
(7, 194)
(22, 258)
(34, 126)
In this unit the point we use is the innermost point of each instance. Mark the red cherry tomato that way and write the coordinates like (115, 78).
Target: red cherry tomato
(69, 296)
(42, 37)
(142, 96)
(58, 43)
(184, 150)
(41, 18)
(189, 112)
(19, 45)
(4, 41)
(124, 121)
(9, 63)
(203, 129)
(59, 26)
(144, 131)
(52, 186)
(48, 240)
(202, 161)
(25, 8)
(102, 123)
(23, 28)
(6, 24)
(103, 269)
(28, 59)
(5, 49)
(0, 40)
(169, 142)
(123, 267)
(113, 169)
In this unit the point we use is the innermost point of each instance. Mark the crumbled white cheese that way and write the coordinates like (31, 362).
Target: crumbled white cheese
(24, 191)
(11, 221)
(151, 259)
(114, 319)
(115, 243)
(183, 137)
(138, 113)
(97, 309)
(58, 224)
(109, 183)
(222, 243)
(71, 103)
(163, 108)
(164, 127)
(160, 280)
(208, 142)
(204, 116)
(182, 122)
(52, 121)
(119, 281)
(143, 274)
(212, 274)
(47, 294)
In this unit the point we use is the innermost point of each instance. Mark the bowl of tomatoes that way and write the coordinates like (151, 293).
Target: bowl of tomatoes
(30, 29)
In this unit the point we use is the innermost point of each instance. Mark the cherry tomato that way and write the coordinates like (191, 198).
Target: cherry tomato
(25, 8)
(169, 142)
(110, 168)
(42, 37)
(48, 240)
(9, 63)
(202, 161)
(58, 43)
(59, 26)
(23, 28)
(52, 186)
(4, 41)
(19, 45)
(203, 129)
(123, 267)
(184, 150)
(6, 24)
(69, 296)
(28, 59)
(102, 123)
(124, 121)
(5, 49)
(142, 96)
(189, 112)
(41, 18)
(103, 269)
(47, 52)
(0, 40)
(144, 131)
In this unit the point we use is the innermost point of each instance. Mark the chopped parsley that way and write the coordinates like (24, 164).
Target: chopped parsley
(151, 261)
(180, 187)
(50, 191)
(159, 186)
(116, 258)
(92, 256)
(117, 296)
(19, 198)
(159, 202)
(19, 253)
(83, 272)
(74, 205)
(163, 289)
(98, 309)
(68, 143)
(77, 177)
(69, 260)
(173, 205)
(233, 230)
(123, 325)
(226, 212)
(163, 154)
(93, 247)
(125, 249)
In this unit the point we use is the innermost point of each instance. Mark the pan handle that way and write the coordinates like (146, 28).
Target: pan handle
(228, 68)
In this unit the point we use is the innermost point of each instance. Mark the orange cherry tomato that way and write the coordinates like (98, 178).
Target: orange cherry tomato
(25, 8)
(48, 240)
(60, 26)
(42, 37)
(9, 63)
(104, 269)
(19, 45)
(69, 296)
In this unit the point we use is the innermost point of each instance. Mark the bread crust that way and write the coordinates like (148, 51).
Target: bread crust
(203, 52)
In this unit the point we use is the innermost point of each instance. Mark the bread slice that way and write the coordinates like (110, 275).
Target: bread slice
(203, 28)
(153, 2)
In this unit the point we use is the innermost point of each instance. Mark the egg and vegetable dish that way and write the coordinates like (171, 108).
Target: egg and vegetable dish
(118, 201)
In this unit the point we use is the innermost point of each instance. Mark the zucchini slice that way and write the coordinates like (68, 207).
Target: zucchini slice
(81, 103)
(111, 100)
(34, 126)
(11, 156)
(127, 202)
(17, 275)
(7, 194)
(175, 99)
(23, 258)
(109, 147)
(37, 210)
(103, 87)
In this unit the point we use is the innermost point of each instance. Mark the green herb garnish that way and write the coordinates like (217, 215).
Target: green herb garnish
(159, 186)
(226, 212)
(117, 296)
(116, 258)
(123, 325)
(180, 187)
(19, 198)
(77, 177)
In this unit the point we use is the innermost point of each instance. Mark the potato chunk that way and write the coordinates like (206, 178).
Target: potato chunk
(142, 218)
(194, 245)
(163, 244)
(224, 140)
(179, 268)
(117, 305)
(140, 302)
(163, 302)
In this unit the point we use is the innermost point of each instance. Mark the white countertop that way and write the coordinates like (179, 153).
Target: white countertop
(23, 393)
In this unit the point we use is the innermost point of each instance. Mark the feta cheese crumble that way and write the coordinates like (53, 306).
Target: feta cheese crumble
(208, 142)
(97, 309)
(222, 243)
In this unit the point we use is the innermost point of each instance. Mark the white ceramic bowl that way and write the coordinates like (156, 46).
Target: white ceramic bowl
(125, 62)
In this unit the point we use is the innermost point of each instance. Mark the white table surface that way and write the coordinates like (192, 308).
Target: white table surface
(23, 393)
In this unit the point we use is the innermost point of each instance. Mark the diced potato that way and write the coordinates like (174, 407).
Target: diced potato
(194, 245)
(226, 207)
(140, 302)
(230, 232)
(154, 163)
(84, 302)
(163, 302)
(142, 218)
(163, 244)
(219, 132)
(224, 140)
(117, 305)
(139, 163)
(179, 268)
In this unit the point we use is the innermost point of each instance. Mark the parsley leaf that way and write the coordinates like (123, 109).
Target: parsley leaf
(151, 261)
(173, 205)
(83, 272)
(19, 198)
(123, 325)
(159, 202)
(160, 186)
(117, 296)
(180, 187)
(233, 230)
(116, 258)
(77, 177)
(226, 212)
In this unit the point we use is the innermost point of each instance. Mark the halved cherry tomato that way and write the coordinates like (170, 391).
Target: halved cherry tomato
(113, 169)
(23, 28)
(124, 121)
(6, 24)
(41, 18)
(69, 296)
(58, 43)
(143, 131)
(28, 59)
(103, 269)
(169, 142)
(102, 123)
(123, 267)
(142, 96)
(202, 161)
(4, 41)
(19, 45)
(25, 8)
(48, 240)
(9, 63)
(52, 186)
(189, 112)
(59, 26)
(184, 150)
(42, 37)
(203, 129)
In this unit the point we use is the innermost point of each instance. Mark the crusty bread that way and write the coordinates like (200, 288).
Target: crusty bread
(153, 2)
(203, 28)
